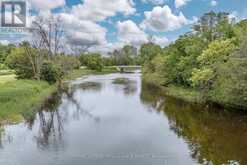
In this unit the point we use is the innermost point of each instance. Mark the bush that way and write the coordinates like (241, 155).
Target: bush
(92, 61)
(18, 61)
(3, 67)
(67, 63)
(51, 72)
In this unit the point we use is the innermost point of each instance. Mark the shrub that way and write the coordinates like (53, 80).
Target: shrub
(67, 63)
(18, 61)
(92, 61)
(51, 72)
(3, 67)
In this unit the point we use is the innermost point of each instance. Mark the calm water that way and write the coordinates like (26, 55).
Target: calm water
(96, 122)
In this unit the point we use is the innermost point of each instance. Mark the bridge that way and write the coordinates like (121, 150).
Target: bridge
(126, 68)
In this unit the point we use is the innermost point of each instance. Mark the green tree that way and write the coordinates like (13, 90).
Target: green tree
(148, 52)
(217, 53)
(5, 51)
(19, 61)
(213, 25)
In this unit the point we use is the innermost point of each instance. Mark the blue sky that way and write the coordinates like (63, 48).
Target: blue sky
(109, 24)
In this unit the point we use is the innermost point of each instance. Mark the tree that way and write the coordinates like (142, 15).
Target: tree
(93, 61)
(125, 56)
(5, 51)
(214, 25)
(218, 53)
(149, 51)
(19, 61)
(230, 88)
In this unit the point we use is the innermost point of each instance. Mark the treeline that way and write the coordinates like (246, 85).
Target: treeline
(211, 59)
(28, 63)
(127, 55)
(43, 59)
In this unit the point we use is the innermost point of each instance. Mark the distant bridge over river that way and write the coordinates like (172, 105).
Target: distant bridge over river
(127, 68)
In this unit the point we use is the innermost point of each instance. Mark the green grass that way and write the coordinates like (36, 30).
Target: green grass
(7, 78)
(6, 72)
(20, 98)
(83, 72)
(186, 94)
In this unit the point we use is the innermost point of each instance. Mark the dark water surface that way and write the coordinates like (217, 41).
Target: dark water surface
(96, 122)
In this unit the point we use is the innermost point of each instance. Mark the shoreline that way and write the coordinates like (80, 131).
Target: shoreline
(21, 99)
(192, 96)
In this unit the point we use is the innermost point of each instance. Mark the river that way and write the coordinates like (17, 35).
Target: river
(98, 122)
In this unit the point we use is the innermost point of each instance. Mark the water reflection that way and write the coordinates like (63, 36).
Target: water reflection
(129, 88)
(94, 117)
(1, 134)
(213, 136)
(94, 86)
(80, 111)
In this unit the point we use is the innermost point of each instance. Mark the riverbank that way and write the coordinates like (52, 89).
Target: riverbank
(20, 99)
(185, 94)
(194, 96)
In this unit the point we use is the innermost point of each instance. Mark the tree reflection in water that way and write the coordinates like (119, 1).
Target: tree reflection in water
(214, 136)
(51, 119)
(128, 88)
(1, 136)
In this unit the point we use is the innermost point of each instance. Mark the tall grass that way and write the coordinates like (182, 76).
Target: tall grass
(21, 98)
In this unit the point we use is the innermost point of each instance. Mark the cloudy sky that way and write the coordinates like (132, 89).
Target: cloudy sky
(107, 24)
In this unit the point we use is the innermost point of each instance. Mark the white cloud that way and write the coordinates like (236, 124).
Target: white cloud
(82, 32)
(156, 2)
(47, 4)
(213, 3)
(129, 32)
(162, 19)
(180, 3)
(104, 49)
(98, 10)
(162, 41)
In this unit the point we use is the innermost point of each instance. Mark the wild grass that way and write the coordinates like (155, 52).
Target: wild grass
(186, 94)
(19, 99)
(7, 78)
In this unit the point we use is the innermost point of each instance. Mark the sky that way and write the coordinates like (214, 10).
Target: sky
(105, 25)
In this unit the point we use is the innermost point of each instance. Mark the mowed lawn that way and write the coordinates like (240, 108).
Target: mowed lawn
(20, 98)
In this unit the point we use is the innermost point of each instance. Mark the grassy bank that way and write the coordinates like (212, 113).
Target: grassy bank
(83, 72)
(186, 94)
(21, 98)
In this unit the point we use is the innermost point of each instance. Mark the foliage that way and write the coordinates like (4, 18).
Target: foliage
(214, 25)
(125, 56)
(51, 72)
(148, 52)
(66, 63)
(92, 61)
(20, 98)
(18, 61)
(210, 60)
(4, 52)
(218, 52)
(3, 67)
